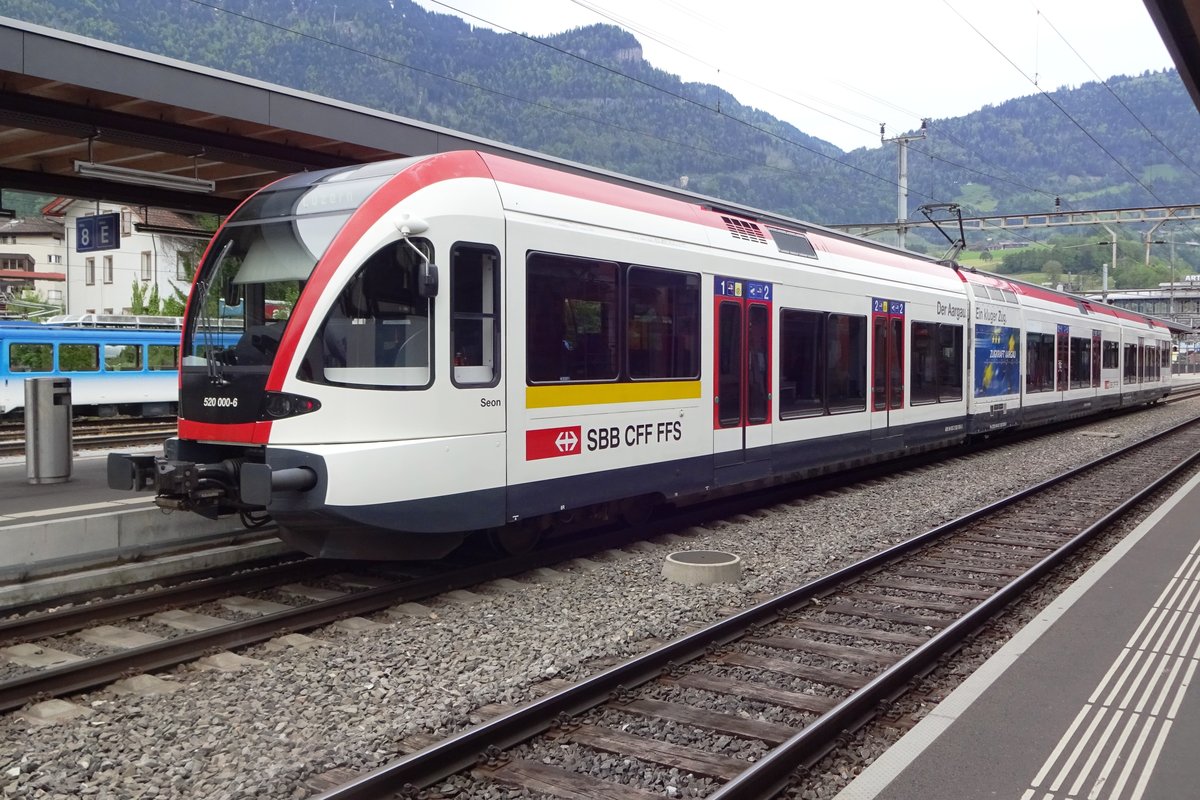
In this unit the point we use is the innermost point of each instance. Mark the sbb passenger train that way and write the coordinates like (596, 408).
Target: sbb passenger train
(584, 349)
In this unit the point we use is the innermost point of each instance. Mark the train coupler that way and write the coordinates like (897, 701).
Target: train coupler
(130, 472)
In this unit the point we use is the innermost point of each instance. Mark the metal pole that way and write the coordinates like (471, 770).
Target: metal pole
(902, 196)
(1171, 293)
(1112, 235)
(902, 178)
(1150, 235)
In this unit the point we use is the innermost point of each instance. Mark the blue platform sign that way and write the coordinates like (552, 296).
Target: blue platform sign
(99, 232)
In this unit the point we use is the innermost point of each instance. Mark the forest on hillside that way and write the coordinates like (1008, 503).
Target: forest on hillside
(588, 95)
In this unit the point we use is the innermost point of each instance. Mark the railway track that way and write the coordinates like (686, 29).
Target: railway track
(154, 630)
(364, 594)
(772, 688)
(94, 433)
(53, 637)
(289, 609)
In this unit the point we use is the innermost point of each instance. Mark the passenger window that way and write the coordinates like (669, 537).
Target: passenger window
(801, 363)
(950, 362)
(78, 358)
(1039, 352)
(1081, 362)
(122, 357)
(162, 357)
(31, 357)
(377, 333)
(936, 366)
(571, 312)
(1131, 363)
(1112, 355)
(664, 324)
(846, 371)
(474, 315)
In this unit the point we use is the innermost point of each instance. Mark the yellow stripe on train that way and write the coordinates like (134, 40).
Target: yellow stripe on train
(586, 394)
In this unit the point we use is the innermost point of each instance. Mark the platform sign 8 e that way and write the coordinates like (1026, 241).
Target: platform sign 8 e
(98, 232)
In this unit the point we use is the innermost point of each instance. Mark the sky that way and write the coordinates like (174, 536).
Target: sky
(836, 70)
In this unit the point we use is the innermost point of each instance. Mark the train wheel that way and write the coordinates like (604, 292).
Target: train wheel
(636, 510)
(514, 540)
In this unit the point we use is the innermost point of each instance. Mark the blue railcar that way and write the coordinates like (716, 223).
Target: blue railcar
(113, 371)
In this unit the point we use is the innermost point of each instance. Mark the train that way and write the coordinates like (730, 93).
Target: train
(462, 344)
(119, 364)
(114, 370)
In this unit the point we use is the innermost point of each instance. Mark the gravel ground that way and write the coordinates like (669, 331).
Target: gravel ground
(356, 700)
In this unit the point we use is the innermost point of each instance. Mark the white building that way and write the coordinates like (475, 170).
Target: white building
(157, 248)
(32, 257)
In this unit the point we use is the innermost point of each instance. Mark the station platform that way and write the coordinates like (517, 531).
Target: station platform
(1090, 700)
(49, 529)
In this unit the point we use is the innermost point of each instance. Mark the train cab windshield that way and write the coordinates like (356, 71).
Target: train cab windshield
(250, 281)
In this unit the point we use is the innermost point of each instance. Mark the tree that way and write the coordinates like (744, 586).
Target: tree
(1053, 270)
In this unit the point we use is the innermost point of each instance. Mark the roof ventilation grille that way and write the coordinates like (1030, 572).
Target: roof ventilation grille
(743, 229)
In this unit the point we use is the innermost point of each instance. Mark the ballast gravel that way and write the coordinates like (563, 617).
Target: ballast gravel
(357, 700)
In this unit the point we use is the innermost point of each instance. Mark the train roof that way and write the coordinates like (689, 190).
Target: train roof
(37, 331)
(137, 321)
(1086, 305)
(749, 225)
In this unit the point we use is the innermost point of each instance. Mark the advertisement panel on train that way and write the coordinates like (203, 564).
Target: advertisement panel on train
(998, 360)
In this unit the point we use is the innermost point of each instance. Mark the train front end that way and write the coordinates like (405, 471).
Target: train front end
(250, 375)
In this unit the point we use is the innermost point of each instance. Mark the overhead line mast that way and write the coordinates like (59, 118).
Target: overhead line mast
(902, 178)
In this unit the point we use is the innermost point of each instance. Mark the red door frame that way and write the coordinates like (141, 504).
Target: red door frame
(754, 339)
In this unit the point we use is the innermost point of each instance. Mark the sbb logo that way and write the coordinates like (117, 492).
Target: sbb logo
(552, 443)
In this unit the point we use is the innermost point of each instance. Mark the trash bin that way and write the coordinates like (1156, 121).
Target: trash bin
(48, 447)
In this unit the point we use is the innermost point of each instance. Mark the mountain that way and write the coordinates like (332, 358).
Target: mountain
(588, 95)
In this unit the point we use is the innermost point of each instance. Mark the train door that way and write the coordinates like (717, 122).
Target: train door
(742, 399)
(887, 367)
(1062, 359)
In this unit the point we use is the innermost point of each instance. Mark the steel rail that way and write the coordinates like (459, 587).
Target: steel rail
(55, 623)
(459, 751)
(94, 672)
(772, 772)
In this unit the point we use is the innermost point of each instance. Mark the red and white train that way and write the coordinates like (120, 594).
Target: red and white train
(583, 348)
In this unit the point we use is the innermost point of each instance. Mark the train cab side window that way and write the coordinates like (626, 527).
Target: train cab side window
(122, 357)
(378, 332)
(664, 324)
(474, 315)
(31, 357)
(79, 358)
(936, 363)
(571, 318)
(162, 357)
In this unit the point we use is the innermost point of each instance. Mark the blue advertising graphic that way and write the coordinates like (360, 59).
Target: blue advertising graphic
(997, 360)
